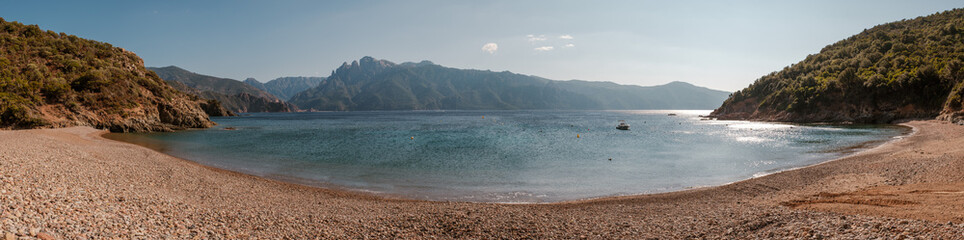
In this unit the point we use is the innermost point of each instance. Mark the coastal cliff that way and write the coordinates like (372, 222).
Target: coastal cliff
(910, 69)
(50, 79)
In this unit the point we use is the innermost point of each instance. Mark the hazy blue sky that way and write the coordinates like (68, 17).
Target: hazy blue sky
(718, 44)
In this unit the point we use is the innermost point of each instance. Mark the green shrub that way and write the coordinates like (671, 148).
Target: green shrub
(14, 113)
(93, 81)
(55, 90)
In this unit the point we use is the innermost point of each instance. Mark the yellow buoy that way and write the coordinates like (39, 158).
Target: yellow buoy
(577, 135)
(483, 117)
(413, 138)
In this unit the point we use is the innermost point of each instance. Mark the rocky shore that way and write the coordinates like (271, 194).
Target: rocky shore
(70, 183)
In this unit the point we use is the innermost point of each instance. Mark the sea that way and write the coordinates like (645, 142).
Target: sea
(510, 156)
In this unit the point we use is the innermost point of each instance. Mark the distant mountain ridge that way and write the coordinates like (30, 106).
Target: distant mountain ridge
(371, 84)
(674, 95)
(286, 87)
(234, 95)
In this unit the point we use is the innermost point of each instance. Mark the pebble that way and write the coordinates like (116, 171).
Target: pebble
(45, 236)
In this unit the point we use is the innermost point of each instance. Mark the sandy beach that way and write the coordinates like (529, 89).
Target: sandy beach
(71, 183)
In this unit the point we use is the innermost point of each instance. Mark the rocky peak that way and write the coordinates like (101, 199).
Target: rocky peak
(372, 65)
(366, 65)
(425, 63)
(367, 59)
(255, 83)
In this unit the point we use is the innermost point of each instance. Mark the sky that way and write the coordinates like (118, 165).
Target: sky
(723, 45)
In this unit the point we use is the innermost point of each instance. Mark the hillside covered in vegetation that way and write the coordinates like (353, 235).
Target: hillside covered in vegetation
(906, 69)
(371, 84)
(50, 79)
(233, 95)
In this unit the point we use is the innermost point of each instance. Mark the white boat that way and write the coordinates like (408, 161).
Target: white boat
(622, 125)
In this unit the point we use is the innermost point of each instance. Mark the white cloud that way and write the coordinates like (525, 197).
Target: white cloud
(490, 48)
(534, 38)
(544, 48)
(567, 36)
(569, 45)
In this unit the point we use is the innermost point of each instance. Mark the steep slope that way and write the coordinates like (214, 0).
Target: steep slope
(286, 87)
(50, 79)
(234, 95)
(905, 69)
(370, 84)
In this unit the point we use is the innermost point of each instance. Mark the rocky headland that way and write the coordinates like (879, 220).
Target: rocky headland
(50, 79)
(910, 69)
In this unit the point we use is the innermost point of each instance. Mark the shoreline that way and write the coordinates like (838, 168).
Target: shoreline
(881, 144)
(842, 153)
(274, 178)
(843, 156)
(72, 183)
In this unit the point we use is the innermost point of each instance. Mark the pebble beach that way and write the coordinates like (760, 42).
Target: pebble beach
(71, 183)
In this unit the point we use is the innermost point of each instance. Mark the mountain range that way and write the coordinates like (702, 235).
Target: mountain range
(906, 69)
(52, 79)
(286, 87)
(234, 95)
(371, 84)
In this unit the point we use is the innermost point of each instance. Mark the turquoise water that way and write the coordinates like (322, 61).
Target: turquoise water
(509, 156)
